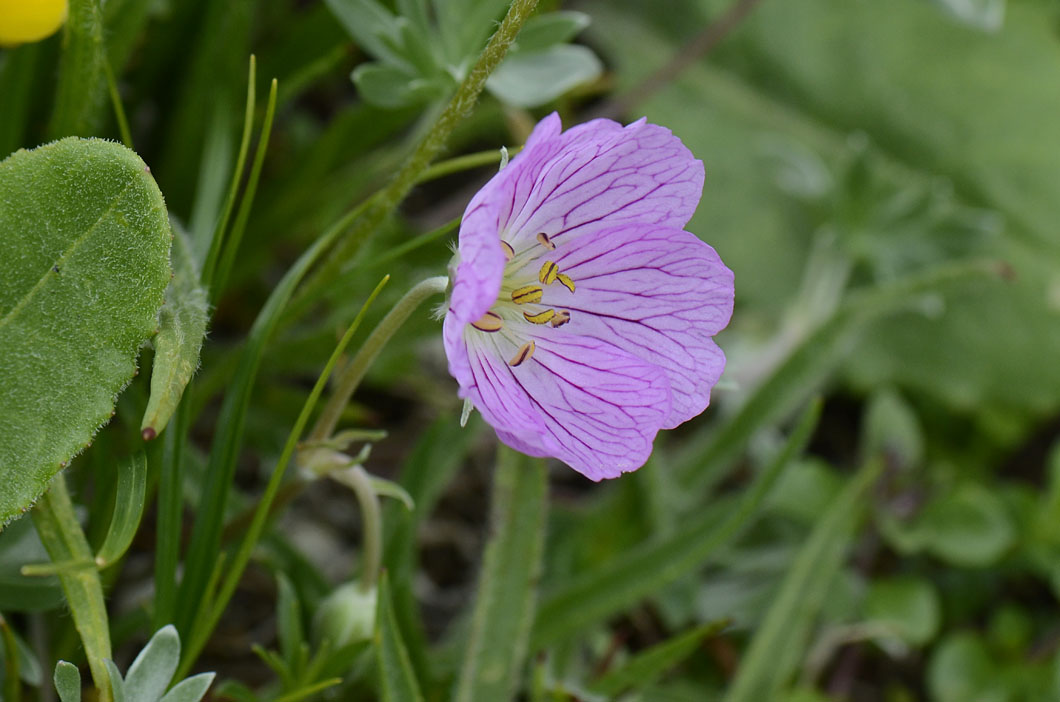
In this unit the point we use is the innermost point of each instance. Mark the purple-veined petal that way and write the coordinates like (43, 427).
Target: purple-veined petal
(594, 176)
(480, 267)
(660, 294)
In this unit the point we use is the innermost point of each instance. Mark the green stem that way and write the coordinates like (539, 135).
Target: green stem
(357, 480)
(64, 540)
(431, 144)
(115, 101)
(353, 373)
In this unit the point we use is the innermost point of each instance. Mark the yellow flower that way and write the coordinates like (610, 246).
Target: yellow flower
(24, 21)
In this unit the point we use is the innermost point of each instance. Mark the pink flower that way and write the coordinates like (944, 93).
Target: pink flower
(582, 314)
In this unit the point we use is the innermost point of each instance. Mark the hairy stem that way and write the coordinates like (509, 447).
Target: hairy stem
(357, 480)
(54, 518)
(429, 147)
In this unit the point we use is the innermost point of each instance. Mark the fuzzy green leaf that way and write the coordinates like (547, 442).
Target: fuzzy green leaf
(182, 326)
(191, 690)
(507, 587)
(150, 673)
(67, 680)
(84, 262)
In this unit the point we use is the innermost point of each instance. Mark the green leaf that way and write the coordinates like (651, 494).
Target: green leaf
(891, 429)
(533, 78)
(117, 685)
(182, 326)
(392, 87)
(962, 669)
(150, 673)
(20, 545)
(84, 262)
(969, 526)
(289, 630)
(128, 510)
(80, 90)
(191, 690)
(397, 681)
(649, 665)
(595, 595)
(507, 588)
(368, 23)
(548, 29)
(67, 680)
(777, 645)
(908, 605)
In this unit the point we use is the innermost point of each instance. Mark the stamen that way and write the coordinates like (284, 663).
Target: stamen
(523, 354)
(546, 242)
(540, 317)
(561, 318)
(548, 273)
(509, 252)
(527, 293)
(489, 322)
(567, 282)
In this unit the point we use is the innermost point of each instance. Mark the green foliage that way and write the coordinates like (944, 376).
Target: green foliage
(420, 61)
(85, 262)
(507, 587)
(79, 93)
(181, 328)
(151, 673)
(128, 510)
(397, 680)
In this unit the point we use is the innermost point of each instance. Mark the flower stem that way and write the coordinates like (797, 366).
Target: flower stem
(54, 518)
(353, 373)
(357, 480)
(429, 147)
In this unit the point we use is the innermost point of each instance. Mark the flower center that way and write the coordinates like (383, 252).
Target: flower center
(520, 302)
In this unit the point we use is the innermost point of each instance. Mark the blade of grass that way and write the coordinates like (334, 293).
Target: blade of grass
(507, 586)
(204, 622)
(596, 595)
(396, 678)
(233, 238)
(780, 639)
(128, 510)
(649, 665)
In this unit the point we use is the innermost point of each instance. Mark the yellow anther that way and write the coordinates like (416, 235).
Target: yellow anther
(548, 273)
(489, 322)
(540, 317)
(509, 252)
(523, 354)
(546, 242)
(560, 318)
(527, 293)
(567, 282)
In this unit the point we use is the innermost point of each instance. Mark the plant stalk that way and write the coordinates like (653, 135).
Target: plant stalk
(59, 531)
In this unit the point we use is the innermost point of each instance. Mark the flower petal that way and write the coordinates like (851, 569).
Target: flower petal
(660, 294)
(477, 279)
(596, 175)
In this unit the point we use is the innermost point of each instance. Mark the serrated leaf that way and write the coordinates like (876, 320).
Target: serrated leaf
(128, 509)
(397, 681)
(150, 673)
(532, 78)
(84, 262)
(181, 328)
(191, 690)
(67, 680)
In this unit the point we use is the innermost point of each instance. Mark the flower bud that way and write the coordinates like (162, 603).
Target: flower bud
(346, 616)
